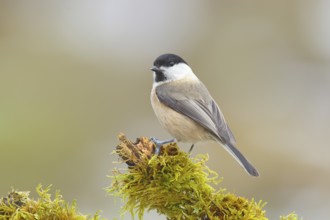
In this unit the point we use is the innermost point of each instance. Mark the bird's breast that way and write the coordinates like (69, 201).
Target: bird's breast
(178, 125)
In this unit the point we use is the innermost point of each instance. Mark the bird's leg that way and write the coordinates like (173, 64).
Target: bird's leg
(160, 143)
(191, 148)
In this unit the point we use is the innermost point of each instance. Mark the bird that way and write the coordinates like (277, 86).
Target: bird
(186, 109)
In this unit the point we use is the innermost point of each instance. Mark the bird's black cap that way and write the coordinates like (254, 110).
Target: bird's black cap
(168, 60)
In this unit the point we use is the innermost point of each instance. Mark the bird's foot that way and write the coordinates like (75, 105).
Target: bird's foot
(160, 143)
(191, 148)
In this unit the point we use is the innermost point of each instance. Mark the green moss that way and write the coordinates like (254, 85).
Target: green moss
(18, 206)
(291, 216)
(180, 188)
(172, 183)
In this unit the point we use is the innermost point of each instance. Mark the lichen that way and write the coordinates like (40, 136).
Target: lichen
(178, 187)
(18, 206)
(291, 216)
(172, 183)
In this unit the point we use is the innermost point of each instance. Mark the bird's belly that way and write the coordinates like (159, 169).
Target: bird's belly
(179, 126)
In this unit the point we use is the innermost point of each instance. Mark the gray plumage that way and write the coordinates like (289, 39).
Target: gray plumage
(184, 106)
(197, 104)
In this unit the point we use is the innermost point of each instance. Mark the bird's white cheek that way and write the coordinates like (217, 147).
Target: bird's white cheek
(179, 71)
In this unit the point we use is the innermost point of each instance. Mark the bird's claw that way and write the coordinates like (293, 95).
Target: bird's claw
(160, 143)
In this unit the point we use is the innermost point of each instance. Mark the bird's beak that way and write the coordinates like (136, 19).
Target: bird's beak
(155, 69)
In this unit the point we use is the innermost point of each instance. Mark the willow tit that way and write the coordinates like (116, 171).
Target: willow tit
(185, 108)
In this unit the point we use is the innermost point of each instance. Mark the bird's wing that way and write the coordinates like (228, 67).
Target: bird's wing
(195, 102)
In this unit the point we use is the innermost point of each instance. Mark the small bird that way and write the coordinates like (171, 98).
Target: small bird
(185, 108)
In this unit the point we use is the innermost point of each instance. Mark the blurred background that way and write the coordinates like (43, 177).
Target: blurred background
(73, 74)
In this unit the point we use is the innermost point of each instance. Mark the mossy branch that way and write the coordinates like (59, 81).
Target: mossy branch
(18, 206)
(176, 185)
(171, 183)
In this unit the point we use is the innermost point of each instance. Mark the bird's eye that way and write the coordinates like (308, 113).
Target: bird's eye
(171, 63)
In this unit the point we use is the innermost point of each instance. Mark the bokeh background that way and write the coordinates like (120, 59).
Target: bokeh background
(73, 74)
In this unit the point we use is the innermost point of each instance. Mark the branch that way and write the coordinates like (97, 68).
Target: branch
(176, 185)
(18, 206)
(171, 183)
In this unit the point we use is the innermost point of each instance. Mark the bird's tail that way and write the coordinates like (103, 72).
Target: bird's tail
(240, 159)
